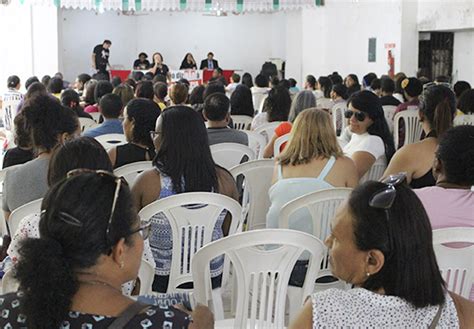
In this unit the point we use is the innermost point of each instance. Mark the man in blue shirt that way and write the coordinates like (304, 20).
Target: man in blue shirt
(110, 106)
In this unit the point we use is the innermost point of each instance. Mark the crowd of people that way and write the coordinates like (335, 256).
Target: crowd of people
(80, 257)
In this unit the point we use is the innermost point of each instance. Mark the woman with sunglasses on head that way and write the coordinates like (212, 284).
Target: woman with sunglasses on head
(91, 243)
(183, 163)
(437, 110)
(371, 140)
(381, 242)
(49, 124)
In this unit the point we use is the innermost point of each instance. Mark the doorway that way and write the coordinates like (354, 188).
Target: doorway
(435, 55)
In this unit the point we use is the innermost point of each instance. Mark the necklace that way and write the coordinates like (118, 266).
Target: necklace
(100, 283)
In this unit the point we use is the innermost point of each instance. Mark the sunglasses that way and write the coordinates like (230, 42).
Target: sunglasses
(360, 116)
(384, 198)
(144, 228)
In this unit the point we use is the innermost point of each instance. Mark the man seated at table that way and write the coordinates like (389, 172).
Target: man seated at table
(216, 112)
(209, 63)
(142, 62)
(110, 106)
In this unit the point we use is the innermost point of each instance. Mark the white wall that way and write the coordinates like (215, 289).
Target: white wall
(238, 42)
(463, 58)
(443, 15)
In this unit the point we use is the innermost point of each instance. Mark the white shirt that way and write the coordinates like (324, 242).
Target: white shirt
(11, 100)
(324, 103)
(259, 120)
(361, 308)
(365, 143)
(29, 228)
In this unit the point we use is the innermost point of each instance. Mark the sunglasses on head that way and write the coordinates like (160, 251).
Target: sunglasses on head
(360, 116)
(144, 228)
(384, 198)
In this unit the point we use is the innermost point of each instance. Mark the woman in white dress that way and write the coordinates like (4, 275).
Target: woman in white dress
(381, 242)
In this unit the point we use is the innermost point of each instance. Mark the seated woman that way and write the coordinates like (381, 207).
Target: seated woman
(437, 111)
(49, 124)
(371, 140)
(311, 161)
(23, 152)
(303, 100)
(142, 62)
(91, 243)
(381, 242)
(140, 116)
(276, 107)
(188, 62)
(102, 88)
(158, 67)
(183, 164)
(325, 86)
(241, 101)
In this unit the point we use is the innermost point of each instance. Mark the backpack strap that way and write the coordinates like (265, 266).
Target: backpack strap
(128, 314)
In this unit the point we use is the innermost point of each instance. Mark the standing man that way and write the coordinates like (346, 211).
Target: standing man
(210, 63)
(100, 59)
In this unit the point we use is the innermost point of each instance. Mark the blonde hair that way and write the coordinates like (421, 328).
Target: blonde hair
(312, 136)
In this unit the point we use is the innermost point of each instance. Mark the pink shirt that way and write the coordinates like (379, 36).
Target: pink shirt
(91, 108)
(448, 207)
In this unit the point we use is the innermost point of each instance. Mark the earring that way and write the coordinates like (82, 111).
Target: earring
(368, 274)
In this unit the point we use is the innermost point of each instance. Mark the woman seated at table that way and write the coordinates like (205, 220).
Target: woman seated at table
(90, 244)
(381, 242)
(188, 62)
(157, 66)
(142, 62)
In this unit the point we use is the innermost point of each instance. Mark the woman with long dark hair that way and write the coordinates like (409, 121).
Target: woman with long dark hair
(371, 140)
(241, 101)
(437, 110)
(183, 163)
(188, 62)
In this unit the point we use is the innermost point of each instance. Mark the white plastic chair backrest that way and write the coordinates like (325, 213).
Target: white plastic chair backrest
(465, 119)
(262, 103)
(456, 264)
(31, 208)
(258, 98)
(413, 128)
(192, 227)
(261, 274)
(132, 170)
(9, 283)
(376, 171)
(96, 116)
(268, 130)
(111, 140)
(278, 143)
(322, 206)
(229, 155)
(257, 142)
(241, 122)
(257, 181)
(87, 123)
(389, 111)
(146, 273)
(338, 118)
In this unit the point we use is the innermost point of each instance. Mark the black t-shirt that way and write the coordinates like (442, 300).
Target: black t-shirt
(101, 57)
(141, 65)
(185, 65)
(163, 70)
(389, 100)
(16, 156)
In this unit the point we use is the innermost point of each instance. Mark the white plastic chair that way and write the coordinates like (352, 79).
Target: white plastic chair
(3, 223)
(261, 274)
(96, 116)
(146, 274)
(132, 170)
(110, 140)
(241, 122)
(191, 228)
(258, 98)
(376, 171)
(87, 124)
(278, 143)
(456, 264)
(413, 128)
(229, 155)
(322, 206)
(268, 130)
(257, 181)
(9, 283)
(31, 208)
(389, 112)
(465, 119)
(338, 120)
(257, 142)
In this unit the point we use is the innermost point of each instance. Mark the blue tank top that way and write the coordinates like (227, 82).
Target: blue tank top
(288, 189)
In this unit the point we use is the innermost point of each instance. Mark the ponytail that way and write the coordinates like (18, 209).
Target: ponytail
(47, 281)
(442, 118)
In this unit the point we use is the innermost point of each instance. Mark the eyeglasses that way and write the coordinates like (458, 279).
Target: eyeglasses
(384, 198)
(360, 116)
(118, 183)
(144, 229)
(154, 134)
